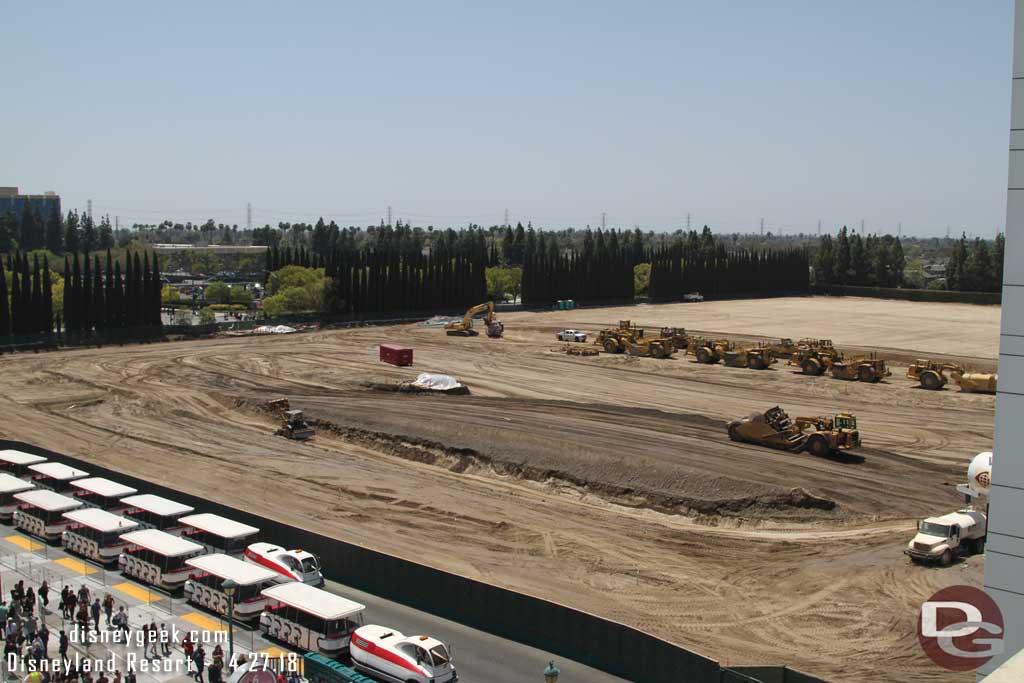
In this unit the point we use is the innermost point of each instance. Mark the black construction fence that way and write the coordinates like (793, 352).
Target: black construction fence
(605, 645)
(940, 295)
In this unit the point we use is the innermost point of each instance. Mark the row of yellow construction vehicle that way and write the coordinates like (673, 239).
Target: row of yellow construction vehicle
(625, 338)
(814, 357)
(711, 351)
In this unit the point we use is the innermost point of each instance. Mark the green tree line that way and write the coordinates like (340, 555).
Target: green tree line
(850, 259)
(602, 271)
(700, 263)
(974, 266)
(53, 232)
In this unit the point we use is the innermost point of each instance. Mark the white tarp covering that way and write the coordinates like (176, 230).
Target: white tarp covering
(273, 329)
(429, 380)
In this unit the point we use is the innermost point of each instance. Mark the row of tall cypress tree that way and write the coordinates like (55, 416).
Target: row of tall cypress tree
(393, 274)
(712, 270)
(599, 273)
(30, 311)
(108, 301)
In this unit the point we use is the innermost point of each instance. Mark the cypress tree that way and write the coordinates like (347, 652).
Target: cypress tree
(47, 298)
(110, 296)
(38, 323)
(119, 298)
(28, 311)
(99, 309)
(138, 300)
(145, 316)
(129, 292)
(155, 304)
(16, 321)
(85, 296)
(69, 296)
(5, 313)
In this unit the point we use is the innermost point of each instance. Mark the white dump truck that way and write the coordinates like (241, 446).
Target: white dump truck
(943, 539)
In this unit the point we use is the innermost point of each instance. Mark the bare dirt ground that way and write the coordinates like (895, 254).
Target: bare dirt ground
(606, 482)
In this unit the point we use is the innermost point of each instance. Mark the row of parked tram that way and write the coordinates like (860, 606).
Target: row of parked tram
(169, 545)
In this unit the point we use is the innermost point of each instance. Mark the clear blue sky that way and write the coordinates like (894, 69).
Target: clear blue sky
(453, 112)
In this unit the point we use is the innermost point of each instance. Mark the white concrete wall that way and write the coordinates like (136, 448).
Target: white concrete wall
(1004, 557)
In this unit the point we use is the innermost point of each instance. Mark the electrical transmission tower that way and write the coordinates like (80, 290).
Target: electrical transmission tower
(248, 216)
(88, 208)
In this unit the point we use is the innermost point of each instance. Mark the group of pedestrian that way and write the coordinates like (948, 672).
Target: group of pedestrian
(25, 639)
(196, 657)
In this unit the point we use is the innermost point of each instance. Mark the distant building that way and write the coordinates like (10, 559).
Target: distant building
(44, 204)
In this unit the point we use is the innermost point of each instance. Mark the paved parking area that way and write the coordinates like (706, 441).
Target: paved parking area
(26, 559)
(480, 657)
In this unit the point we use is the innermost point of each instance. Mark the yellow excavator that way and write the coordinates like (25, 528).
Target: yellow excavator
(464, 328)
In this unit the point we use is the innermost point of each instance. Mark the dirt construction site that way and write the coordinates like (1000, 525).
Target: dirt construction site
(603, 482)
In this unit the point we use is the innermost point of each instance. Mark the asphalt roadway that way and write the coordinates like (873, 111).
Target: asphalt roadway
(479, 657)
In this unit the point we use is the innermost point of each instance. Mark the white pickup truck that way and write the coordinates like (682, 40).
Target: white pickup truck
(943, 539)
(571, 336)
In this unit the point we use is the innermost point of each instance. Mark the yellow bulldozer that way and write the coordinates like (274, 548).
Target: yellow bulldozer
(678, 335)
(863, 369)
(822, 435)
(711, 351)
(625, 338)
(815, 356)
(293, 423)
(933, 375)
(464, 328)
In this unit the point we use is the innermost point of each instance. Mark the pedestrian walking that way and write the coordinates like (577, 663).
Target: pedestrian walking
(129, 677)
(44, 633)
(187, 648)
(154, 634)
(165, 641)
(3, 612)
(96, 608)
(37, 649)
(62, 645)
(199, 659)
(71, 603)
(108, 607)
(120, 620)
(82, 618)
(11, 650)
(44, 593)
(13, 628)
(83, 595)
(30, 626)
